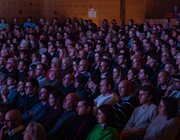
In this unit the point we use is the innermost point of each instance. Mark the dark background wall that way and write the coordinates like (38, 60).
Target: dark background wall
(109, 9)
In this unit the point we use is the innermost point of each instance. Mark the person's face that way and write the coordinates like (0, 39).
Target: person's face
(9, 65)
(130, 75)
(173, 51)
(120, 60)
(168, 68)
(143, 97)
(103, 67)
(101, 117)
(64, 64)
(43, 59)
(21, 66)
(103, 87)
(29, 89)
(82, 66)
(52, 100)
(68, 102)
(31, 72)
(67, 80)
(10, 81)
(141, 74)
(81, 108)
(21, 86)
(39, 70)
(43, 94)
(97, 57)
(122, 89)
(75, 66)
(176, 84)
(161, 109)
(52, 74)
(115, 73)
(10, 121)
(162, 78)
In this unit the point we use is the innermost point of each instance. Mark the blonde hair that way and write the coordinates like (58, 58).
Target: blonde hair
(36, 131)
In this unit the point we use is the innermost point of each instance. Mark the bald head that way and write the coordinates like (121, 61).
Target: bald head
(70, 101)
(124, 88)
(13, 118)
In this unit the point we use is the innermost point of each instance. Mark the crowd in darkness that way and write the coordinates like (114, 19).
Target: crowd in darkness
(75, 80)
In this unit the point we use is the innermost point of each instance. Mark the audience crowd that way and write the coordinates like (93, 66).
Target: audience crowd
(75, 80)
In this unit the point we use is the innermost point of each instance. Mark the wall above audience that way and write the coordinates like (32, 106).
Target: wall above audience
(93, 9)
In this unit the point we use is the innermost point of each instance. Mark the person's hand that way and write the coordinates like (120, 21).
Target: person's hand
(3, 131)
(124, 133)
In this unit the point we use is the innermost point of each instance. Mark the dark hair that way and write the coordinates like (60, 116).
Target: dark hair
(171, 106)
(149, 89)
(34, 82)
(88, 103)
(57, 95)
(110, 114)
(109, 81)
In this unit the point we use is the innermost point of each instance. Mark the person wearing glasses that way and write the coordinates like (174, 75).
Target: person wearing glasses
(13, 128)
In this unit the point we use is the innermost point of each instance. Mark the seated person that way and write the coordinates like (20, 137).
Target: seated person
(126, 104)
(166, 125)
(13, 128)
(106, 129)
(61, 127)
(84, 122)
(141, 117)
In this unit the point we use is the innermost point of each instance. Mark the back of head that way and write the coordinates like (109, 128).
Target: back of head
(171, 106)
(35, 131)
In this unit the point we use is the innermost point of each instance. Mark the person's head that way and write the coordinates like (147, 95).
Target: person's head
(10, 64)
(55, 98)
(153, 61)
(106, 115)
(143, 75)
(53, 73)
(75, 65)
(80, 81)
(70, 101)
(116, 73)
(31, 71)
(132, 74)
(34, 131)
(13, 118)
(168, 107)
(104, 66)
(68, 79)
(83, 65)
(31, 86)
(66, 62)
(163, 78)
(22, 65)
(106, 85)
(146, 94)
(169, 68)
(21, 85)
(121, 59)
(40, 70)
(44, 93)
(12, 79)
(85, 107)
(176, 81)
(124, 88)
(55, 62)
